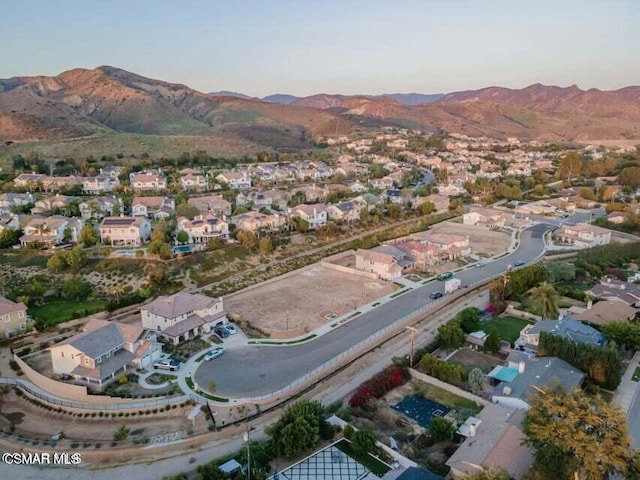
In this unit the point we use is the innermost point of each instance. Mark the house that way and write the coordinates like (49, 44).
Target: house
(565, 327)
(614, 289)
(194, 182)
(237, 180)
(158, 208)
(315, 215)
(28, 180)
(387, 262)
(203, 228)
(617, 217)
(103, 351)
(51, 231)
(54, 184)
(148, 181)
(126, 231)
(357, 187)
(454, 246)
(112, 171)
(382, 183)
(13, 318)
(9, 222)
(345, 211)
(100, 207)
(514, 387)
(252, 221)
(422, 255)
(53, 204)
(483, 217)
(214, 204)
(267, 199)
(14, 200)
(99, 184)
(313, 193)
(541, 207)
(394, 196)
(183, 316)
(604, 312)
(583, 235)
(493, 439)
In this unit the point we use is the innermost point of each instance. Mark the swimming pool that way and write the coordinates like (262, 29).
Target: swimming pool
(422, 410)
(182, 249)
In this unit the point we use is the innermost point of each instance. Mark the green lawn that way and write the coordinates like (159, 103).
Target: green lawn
(508, 328)
(636, 375)
(446, 398)
(59, 311)
(373, 464)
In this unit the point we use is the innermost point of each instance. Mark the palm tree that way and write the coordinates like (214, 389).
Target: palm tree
(116, 291)
(545, 297)
(42, 229)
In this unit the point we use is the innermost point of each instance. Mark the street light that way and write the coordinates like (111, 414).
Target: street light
(413, 342)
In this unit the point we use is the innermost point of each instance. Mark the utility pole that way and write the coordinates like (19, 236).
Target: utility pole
(413, 343)
(245, 437)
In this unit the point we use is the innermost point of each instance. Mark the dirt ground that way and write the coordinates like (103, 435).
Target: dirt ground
(471, 359)
(296, 304)
(483, 242)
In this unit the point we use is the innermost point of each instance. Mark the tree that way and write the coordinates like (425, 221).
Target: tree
(450, 335)
(182, 237)
(545, 298)
(364, 440)
(476, 381)
(488, 474)
(441, 429)
(469, 320)
(394, 211)
(570, 166)
(298, 429)
(427, 208)
(247, 240)
(159, 232)
(575, 435)
(187, 210)
(561, 271)
(162, 249)
(266, 246)
(88, 236)
(75, 258)
(56, 262)
(492, 342)
(76, 289)
(625, 334)
(630, 177)
(9, 237)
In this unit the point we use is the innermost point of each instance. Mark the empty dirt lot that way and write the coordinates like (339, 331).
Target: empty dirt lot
(304, 301)
(483, 242)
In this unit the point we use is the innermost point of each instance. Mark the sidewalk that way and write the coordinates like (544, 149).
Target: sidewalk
(628, 389)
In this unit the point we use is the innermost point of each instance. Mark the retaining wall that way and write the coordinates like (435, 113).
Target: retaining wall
(423, 377)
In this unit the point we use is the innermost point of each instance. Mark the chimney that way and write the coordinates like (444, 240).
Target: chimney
(521, 366)
(472, 430)
(506, 390)
(589, 303)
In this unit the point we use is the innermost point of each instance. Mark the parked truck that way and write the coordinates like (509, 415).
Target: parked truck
(451, 285)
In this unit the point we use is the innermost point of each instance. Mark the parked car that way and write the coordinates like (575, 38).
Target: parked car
(231, 329)
(221, 332)
(167, 365)
(436, 295)
(215, 353)
(519, 263)
(445, 276)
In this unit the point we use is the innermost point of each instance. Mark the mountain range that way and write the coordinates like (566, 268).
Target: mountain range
(108, 100)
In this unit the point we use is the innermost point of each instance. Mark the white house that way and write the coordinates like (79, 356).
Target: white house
(99, 184)
(148, 181)
(314, 215)
(214, 204)
(99, 207)
(51, 231)
(345, 211)
(159, 208)
(483, 217)
(583, 235)
(103, 351)
(194, 182)
(183, 316)
(236, 180)
(203, 228)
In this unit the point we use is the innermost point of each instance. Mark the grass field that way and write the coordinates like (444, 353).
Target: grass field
(508, 328)
(373, 464)
(58, 311)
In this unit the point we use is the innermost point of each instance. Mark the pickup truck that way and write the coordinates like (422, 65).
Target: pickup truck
(167, 365)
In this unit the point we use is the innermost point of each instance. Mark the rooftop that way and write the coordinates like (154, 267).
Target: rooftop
(178, 304)
(571, 329)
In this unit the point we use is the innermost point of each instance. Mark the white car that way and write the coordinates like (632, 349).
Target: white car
(231, 329)
(215, 353)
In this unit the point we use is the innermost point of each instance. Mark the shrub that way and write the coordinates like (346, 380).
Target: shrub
(390, 378)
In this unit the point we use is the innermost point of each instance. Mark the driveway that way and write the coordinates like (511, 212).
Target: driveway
(258, 370)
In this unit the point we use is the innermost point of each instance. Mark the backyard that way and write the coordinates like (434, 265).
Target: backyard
(471, 359)
(59, 310)
(508, 328)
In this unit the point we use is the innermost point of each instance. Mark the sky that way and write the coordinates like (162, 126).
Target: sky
(324, 46)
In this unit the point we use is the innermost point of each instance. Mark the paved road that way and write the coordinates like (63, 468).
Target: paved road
(253, 371)
(633, 419)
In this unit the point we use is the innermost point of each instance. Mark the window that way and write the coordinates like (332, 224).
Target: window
(21, 314)
(86, 360)
(62, 354)
(6, 318)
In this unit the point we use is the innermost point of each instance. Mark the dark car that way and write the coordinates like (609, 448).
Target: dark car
(222, 332)
(436, 295)
(519, 263)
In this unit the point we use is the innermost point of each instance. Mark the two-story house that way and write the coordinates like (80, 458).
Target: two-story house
(158, 208)
(453, 246)
(14, 200)
(126, 231)
(568, 328)
(57, 203)
(99, 184)
(100, 207)
(13, 318)
(103, 351)
(203, 228)
(9, 222)
(483, 217)
(583, 235)
(214, 204)
(345, 211)
(183, 316)
(51, 231)
(28, 180)
(194, 182)
(148, 181)
(237, 180)
(314, 215)
(252, 221)
(385, 261)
